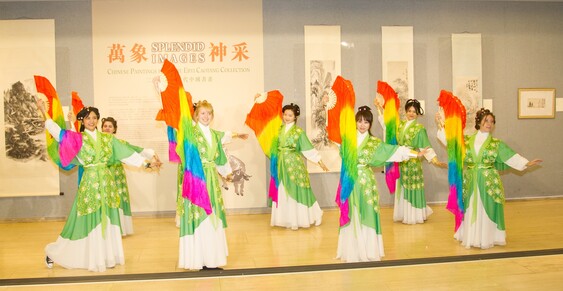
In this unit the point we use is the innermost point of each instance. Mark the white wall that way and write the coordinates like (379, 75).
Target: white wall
(521, 47)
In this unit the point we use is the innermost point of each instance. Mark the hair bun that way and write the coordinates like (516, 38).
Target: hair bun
(481, 112)
(363, 108)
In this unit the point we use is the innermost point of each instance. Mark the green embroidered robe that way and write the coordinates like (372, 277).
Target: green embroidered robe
(97, 196)
(481, 172)
(292, 172)
(412, 180)
(372, 152)
(211, 156)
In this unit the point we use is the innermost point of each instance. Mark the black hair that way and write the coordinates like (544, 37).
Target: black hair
(481, 114)
(84, 113)
(414, 103)
(112, 120)
(364, 113)
(293, 107)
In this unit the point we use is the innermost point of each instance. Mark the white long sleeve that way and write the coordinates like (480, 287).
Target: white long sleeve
(135, 160)
(430, 154)
(402, 154)
(147, 153)
(312, 155)
(53, 128)
(441, 135)
(517, 162)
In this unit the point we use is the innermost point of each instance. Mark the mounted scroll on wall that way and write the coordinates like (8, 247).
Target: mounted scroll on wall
(467, 74)
(27, 49)
(322, 65)
(397, 61)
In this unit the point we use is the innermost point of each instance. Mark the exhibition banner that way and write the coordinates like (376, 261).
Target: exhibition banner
(220, 59)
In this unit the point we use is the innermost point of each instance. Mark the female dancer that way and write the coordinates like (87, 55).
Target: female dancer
(295, 204)
(109, 125)
(410, 201)
(483, 193)
(203, 244)
(361, 239)
(91, 237)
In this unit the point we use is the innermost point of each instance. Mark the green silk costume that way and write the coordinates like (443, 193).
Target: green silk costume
(211, 155)
(481, 172)
(372, 152)
(97, 196)
(411, 181)
(292, 171)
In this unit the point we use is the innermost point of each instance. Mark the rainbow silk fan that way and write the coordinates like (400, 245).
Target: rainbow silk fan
(170, 112)
(455, 116)
(342, 130)
(177, 112)
(391, 120)
(265, 120)
(70, 142)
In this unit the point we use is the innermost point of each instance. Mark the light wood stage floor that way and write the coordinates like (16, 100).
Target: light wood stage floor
(261, 257)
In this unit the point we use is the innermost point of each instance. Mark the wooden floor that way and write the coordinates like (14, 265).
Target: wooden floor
(532, 225)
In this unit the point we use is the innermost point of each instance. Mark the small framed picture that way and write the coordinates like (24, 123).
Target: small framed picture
(536, 103)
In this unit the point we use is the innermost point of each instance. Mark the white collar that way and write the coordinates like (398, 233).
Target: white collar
(480, 139)
(202, 126)
(481, 134)
(361, 136)
(206, 131)
(92, 133)
(407, 124)
(289, 125)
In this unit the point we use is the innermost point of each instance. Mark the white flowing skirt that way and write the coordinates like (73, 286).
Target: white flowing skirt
(94, 252)
(406, 213)
(126, 223)
(292, 214)
(206, 247)
(359, 243)
(483, 233)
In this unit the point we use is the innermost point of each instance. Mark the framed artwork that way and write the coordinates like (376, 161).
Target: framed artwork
(536, 103)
